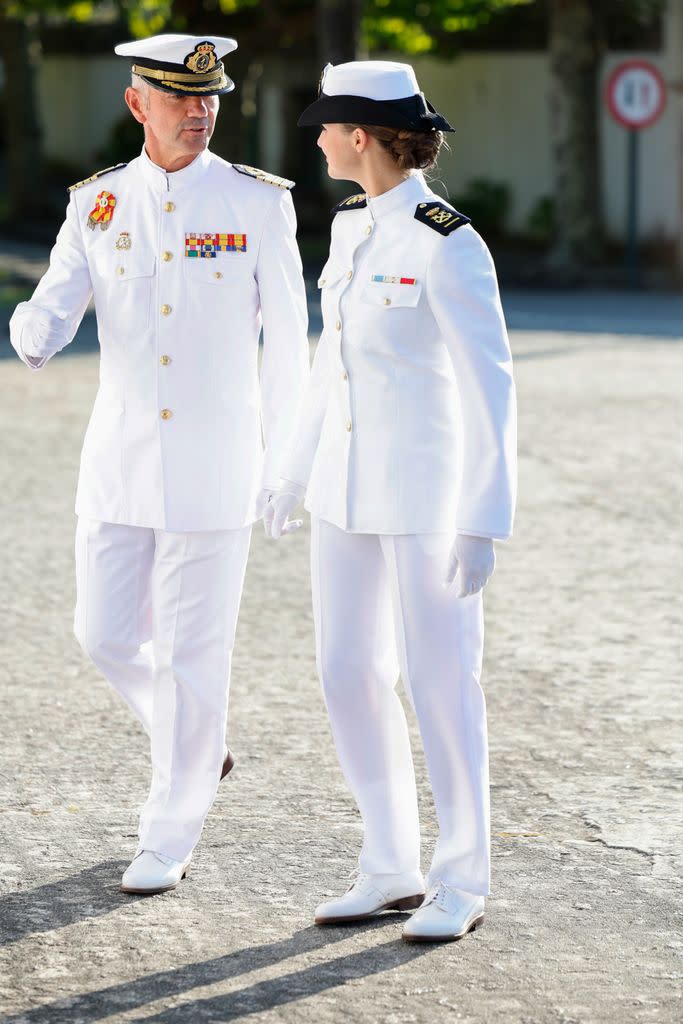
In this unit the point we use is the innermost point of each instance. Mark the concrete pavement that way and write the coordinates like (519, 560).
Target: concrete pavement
(582, 681)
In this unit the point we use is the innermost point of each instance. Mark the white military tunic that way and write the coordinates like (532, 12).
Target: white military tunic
(175, 437)
(409, 422)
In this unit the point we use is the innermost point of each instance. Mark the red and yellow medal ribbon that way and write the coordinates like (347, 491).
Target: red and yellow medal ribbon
(103, 211)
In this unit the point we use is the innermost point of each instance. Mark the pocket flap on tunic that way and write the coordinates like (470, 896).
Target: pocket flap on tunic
(392, 295)
(125, 266)
(221, 270)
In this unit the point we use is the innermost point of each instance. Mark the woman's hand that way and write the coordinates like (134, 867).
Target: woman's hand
(278, 509)
(472, 560)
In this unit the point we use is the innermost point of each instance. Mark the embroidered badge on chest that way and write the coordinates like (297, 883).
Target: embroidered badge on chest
(123, 241)
(103, 211)
(389, 279)
(207, 246)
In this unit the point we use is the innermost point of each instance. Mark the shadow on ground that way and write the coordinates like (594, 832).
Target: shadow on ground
(87, 895)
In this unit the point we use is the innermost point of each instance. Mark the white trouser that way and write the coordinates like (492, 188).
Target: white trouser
(157, 613)
(360, 583)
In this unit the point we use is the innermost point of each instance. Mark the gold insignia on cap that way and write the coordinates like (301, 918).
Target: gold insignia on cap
(202, 58)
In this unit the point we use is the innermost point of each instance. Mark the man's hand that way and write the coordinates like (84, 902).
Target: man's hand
(282, 503)
(472, 561)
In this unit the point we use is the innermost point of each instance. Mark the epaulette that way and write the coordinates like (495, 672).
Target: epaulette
(269, 179)
(356, 202)
(442, 218)
(95, 176)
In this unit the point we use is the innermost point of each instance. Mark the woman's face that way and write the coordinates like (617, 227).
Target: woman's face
(341, 150)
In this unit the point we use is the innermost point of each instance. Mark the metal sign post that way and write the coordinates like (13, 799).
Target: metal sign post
(636, 96)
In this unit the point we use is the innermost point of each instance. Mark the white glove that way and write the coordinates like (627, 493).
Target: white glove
(262, 499)
(275, 517)
(472, 560)
(41, 331)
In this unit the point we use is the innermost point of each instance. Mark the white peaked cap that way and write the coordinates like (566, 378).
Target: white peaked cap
(190, 65)
(174, 47)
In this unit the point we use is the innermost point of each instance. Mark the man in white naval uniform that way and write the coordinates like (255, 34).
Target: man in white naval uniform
(187, 257)
(406, 450)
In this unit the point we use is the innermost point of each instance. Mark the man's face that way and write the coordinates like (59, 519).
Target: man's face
(176, 126)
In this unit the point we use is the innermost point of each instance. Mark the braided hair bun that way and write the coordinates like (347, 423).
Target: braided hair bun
(409, 149)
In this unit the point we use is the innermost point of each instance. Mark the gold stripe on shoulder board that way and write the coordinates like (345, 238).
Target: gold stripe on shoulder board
(351, 203)
(95, 176)
(440, 217)
(269, 179)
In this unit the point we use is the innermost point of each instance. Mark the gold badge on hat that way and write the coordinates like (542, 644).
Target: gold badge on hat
(123, 241)
(202, 58)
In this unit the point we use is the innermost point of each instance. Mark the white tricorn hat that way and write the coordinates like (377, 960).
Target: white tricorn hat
(189, 65)
(374, 92)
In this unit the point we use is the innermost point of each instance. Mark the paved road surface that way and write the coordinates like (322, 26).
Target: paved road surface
(582, 681)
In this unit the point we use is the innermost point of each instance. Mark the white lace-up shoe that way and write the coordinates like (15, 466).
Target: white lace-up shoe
(151, 872)
(370, 895)
(445, 915)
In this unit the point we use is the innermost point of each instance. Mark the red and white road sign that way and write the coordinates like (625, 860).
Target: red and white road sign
(635, 93)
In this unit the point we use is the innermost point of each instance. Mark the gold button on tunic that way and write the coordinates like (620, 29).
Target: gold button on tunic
(166, 414)
(167, 256)
(169, 207)
(165, 309)
(165, 360)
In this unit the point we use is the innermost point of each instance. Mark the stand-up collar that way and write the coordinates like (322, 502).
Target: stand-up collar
(172, 181)
(409, 191)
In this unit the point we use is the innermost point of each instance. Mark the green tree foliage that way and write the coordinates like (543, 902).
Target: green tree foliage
(427, 26)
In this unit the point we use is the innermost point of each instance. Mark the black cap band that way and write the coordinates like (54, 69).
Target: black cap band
(412, 113)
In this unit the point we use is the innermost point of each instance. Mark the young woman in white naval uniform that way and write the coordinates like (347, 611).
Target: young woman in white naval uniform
(406, 451)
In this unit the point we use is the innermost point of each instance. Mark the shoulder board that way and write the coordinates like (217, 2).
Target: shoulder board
(442, 218)
(269, 179)
(95, 176)
(356, 202)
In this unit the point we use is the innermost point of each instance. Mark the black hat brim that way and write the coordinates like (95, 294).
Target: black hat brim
(413, 113)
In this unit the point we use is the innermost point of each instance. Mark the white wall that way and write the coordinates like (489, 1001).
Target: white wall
(498, 105)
